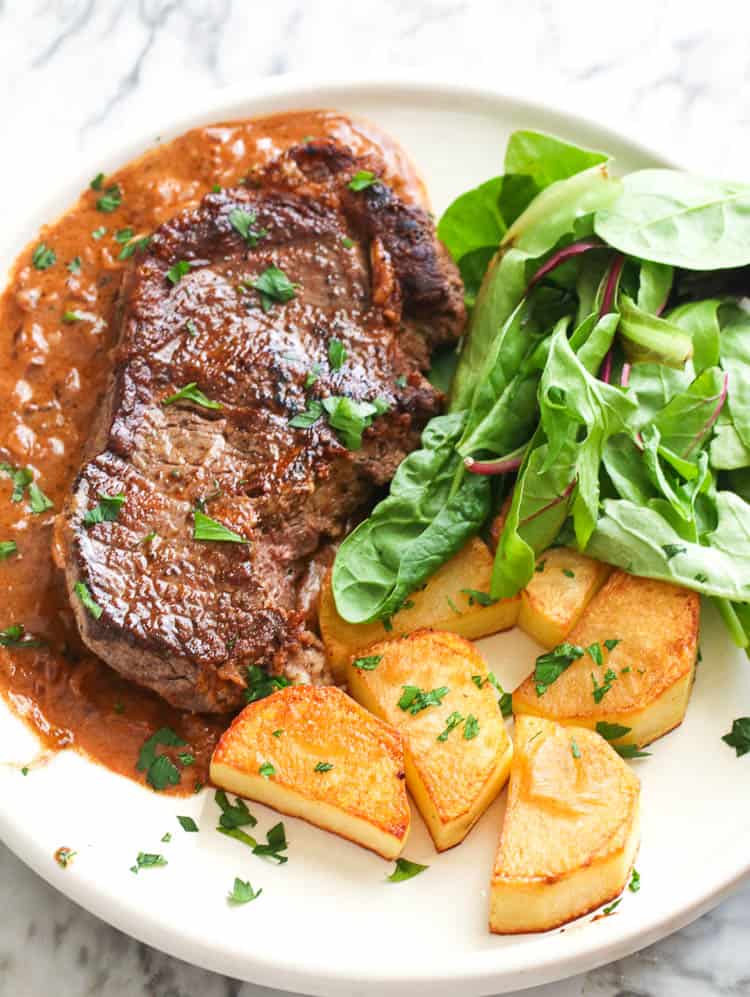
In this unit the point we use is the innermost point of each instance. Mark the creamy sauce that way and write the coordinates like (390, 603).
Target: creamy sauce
(52, 375)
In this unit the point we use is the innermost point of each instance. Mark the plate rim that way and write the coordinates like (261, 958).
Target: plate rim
(491, 972)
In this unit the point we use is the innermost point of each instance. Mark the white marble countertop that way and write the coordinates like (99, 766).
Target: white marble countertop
(672, 74)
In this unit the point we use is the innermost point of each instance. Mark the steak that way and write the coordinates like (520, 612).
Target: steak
(304, 306)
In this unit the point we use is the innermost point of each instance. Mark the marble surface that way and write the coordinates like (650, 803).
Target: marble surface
(674, 74)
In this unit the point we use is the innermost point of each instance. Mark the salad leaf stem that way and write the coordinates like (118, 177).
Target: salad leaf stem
(610, 289)
(559, 257)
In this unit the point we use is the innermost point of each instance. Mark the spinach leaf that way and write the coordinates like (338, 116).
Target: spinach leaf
(735, 361)
(688, 418)
(679, 219)
(413, 531)
(728, 452)
(648, 339)
(473, 221)
(547, 159)
(700, 320)
(654, 285)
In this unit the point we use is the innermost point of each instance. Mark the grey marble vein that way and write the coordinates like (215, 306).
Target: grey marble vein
(673, 74)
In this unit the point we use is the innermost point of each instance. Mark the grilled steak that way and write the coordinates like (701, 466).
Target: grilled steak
(353, 292)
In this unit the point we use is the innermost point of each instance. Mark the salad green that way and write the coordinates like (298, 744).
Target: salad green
(604, 384)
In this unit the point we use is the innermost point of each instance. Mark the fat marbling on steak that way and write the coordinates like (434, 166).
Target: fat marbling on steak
(185, 616)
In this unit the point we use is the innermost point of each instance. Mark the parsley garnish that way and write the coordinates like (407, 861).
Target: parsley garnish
(413, 699)
(242, 892)
(123, 235)
(71, 317)
(260, 684)
(64, 856)
(7, 548)
(75, 265)
(635, 882)
(185, 758)
(273, 285)
(568, 573)
(361, 180)
(81, 589)
(192, 393)
(610, 732)
(450, 724)
(308, 418)
(147, 860)
(608, 910)
(323, 767)
(96, 183)
(266, 770)
(178, 271)
(243, 222)
(739, 736)
(336, 354)
(611, 644)
(406, 870)
(401, 381)
(596, 653)
(127, 251)
(106, 510)
(672, 550)
(278, 733)
(110, 200)
(313, 375)
(351, 418)
(275, 844)
(99, 233)
(38, 501)
(550, 666)
(188, 824)
(471, 728)
(453, 606)
(20, 476)
(540, 566)
(368, 663)
(15, 636)
(205, 528)
(233, 814)
(481, 598)
(167, 837)
(160, 769)
(600, 691)
(575, 750)
(43, 258)
(346, 242)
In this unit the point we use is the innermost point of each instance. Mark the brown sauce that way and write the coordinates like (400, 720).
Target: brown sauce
(52, 375)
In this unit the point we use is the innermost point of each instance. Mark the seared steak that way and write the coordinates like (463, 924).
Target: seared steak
(373, 293)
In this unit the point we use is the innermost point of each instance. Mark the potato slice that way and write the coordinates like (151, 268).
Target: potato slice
(362, 796)
(570, 832)
(563, 585)
(644, 682)
(445, 603)
(452, 776)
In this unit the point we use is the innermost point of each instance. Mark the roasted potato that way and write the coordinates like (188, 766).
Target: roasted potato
(456, 746)
(563, 585)
(312, 752)
(645, 633)
(570, 832)
(447, 602)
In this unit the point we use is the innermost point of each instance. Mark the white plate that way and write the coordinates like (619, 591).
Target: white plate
(328, 922)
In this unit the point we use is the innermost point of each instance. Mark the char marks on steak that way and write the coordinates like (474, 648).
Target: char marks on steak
(185, 617)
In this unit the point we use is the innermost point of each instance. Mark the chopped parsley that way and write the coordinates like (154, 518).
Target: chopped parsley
(480, 598)
(406, 870)
(38, 501)
(401, 381)
(7, 548)
(159, 768)
(611, 732)
(505, 701)
(43, 257)
(188, 824)
(540, 566)
(550, 666)
(739, 736)
(205, 528)
(323, 767)
(346, 242)
(336, 354)
(361, 180)
(600, 691)
(191, 328)
(413, 699)
(266, 770)
(575, 750)
(312, 375)
(275, 844)
(611, 643)
(185, 758)
(99, 233)
(110, 200)
(273, 285)
(451, 723)
(106, 510)
(308, 418)
(350, 418)
(242, 892)
(260, 684)
(75, 265)
(178, 271)
(166, 838)
(635, 882)
(81, 589)
(243, 222)
(235, 814)
(15, 636)
(612, 907)
(568, 573)
(132, 247)
(453, 606)
(595, 652)
(672, 550)
(70, 317)
(278, 733)
(64, 856)
(369, 663)
(96, 183)
(19, 476)
(471, 728)
(123, 235)
(148, 860)
(192, 393)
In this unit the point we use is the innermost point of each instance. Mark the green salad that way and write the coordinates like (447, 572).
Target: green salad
(604, 384)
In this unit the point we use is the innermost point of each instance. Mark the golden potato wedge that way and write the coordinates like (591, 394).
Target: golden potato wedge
(563, 585)
(312, 752)
(458, 751)
(445, 603)
(570, 832)
(644, 682)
